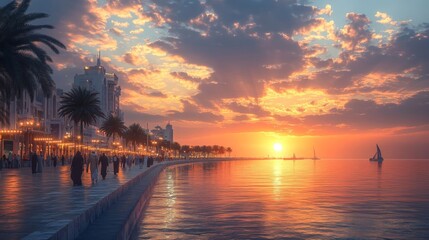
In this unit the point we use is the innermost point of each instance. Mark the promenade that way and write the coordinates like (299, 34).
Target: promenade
(36, 206)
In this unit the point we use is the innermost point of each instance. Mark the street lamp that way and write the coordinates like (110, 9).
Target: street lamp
(27, 125)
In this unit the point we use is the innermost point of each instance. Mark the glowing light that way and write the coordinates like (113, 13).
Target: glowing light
(278, 147)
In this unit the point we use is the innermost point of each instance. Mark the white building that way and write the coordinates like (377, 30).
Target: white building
(37, 118)
(165, 134)
(95, 78)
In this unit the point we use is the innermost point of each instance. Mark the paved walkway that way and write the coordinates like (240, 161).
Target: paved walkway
(31, 203)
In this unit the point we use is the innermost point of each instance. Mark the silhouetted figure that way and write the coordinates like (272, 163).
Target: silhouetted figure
(77, 169)
(62, 160)
(1, 161)
(55, 159)
(104, 163)
(123, 160)
(40, 163)
(129, 161)
(93, 165)
(115, 164)
(33, 157)
(149, 161)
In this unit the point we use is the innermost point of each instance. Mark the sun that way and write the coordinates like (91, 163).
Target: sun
(278, 147)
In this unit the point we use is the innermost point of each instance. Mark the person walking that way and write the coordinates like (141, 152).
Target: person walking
(129, 161)
(104, 163)
(2, 161)
(33, 157)
(39, 163)
(55, 160)
(62, 160)
(77, 169)
(115, 164)
(123, 160)
(9, 160)
(93, 166)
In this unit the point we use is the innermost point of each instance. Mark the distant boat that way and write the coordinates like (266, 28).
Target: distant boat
(377, 156)
(314, 155)
(293, 158)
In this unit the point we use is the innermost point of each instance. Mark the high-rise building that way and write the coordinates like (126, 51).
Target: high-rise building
(95, 78)
(165, 134)
(168, 132)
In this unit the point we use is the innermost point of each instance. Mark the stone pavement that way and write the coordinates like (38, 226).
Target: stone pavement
(36, 206)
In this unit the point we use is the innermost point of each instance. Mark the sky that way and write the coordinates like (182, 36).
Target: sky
(339, 76)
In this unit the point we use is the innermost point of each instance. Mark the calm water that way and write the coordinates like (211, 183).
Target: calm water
(279, 199)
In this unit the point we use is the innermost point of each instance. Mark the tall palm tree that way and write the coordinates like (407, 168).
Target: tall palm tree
(113, 126)
(81, 106)
(229, 150)
(4, 111)
(176, 148)
(24, 64)
(135, 134)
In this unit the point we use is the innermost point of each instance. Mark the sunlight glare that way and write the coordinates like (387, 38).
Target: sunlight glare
(278, 147)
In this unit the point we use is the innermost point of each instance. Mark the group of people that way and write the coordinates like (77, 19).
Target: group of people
(38, 161)
(11, 161)
(94, 161)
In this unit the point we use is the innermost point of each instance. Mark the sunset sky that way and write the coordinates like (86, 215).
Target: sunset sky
(337, 75)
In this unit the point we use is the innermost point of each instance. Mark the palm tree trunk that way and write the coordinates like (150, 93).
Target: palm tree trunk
(81, 134)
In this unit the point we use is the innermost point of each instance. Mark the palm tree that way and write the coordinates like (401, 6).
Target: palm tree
(176, 147)
(81, 106)
(222, 150)
(24, 64)
(229, 150)
(4, 111)
(113, 126)
(135, 134)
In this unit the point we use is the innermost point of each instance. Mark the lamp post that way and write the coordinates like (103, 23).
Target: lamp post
(28, 124)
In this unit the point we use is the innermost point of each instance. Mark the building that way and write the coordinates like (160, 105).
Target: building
(32, 119)
(165, 134)
(95, 78)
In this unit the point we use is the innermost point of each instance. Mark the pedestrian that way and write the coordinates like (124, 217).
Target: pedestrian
(115, 164)
(93, 165)
(141, 159)
(33, 157)
(129, 161)
(123, 160)
(1, 161)
(39, 163)
(77, 169)
(15, 161)
(62, 160)
(104, 163)
(9, 160)
(55, 159)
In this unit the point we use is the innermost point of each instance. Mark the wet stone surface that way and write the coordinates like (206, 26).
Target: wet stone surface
(35, 206)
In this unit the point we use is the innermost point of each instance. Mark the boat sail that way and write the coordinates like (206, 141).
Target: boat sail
(314, 155)
(377, 156)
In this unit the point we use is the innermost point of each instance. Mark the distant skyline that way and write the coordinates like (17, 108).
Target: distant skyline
(337, 75)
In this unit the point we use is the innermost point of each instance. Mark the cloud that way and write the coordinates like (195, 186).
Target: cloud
(239, 41)
(367, 114)
(120, 24)
(186, 76)
(385, 18)
(192, 113)
(356, 33)
(116, 31)
(248, 109)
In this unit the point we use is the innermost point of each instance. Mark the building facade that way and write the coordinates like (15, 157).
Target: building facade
(95, 78)
(161, 133)
(32, 119)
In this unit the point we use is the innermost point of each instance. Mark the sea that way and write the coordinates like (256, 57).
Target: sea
(287, 199)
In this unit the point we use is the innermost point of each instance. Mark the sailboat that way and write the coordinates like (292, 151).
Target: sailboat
(377, 156)
(314, 155)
